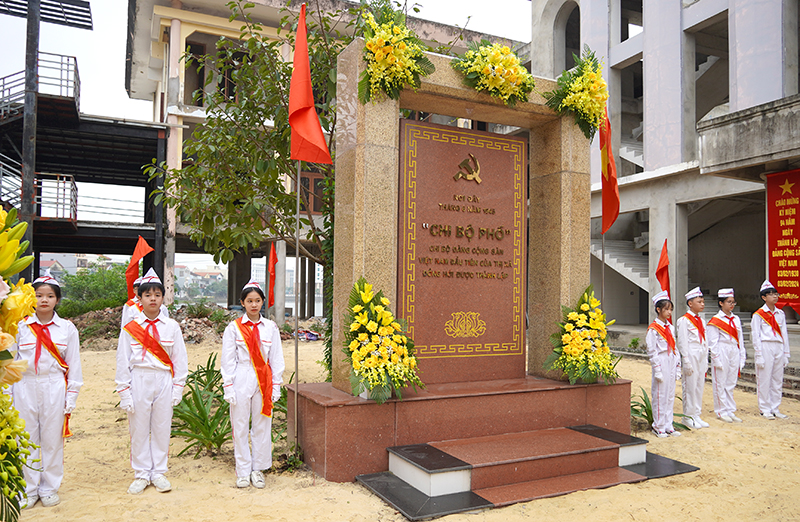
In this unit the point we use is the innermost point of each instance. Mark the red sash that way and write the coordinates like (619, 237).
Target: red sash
(48, 343)
(262, 368)
(725, 327)
(698, 323)
(150, 344)
(666, 334)
(135, 304)
(769, 318)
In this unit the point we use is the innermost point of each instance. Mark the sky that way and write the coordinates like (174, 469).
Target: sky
(101, 62)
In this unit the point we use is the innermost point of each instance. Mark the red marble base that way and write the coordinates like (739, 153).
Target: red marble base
(343, 436)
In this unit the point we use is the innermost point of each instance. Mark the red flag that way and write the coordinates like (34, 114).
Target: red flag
(610, 189)
(308, 142)
(273, 260)
(662, 272)
(132, 272)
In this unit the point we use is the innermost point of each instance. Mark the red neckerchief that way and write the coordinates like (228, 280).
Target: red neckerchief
(698, 323)
(769, 318)
(42, 334)
(664, 332)
(252, 339)
(149, 343)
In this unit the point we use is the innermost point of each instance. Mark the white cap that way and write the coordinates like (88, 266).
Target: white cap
(137, 281)
(725, 292)
(661, 296)
(694, 292)
(766, 285)
(150, 277)
(252, 284)
(46, 278)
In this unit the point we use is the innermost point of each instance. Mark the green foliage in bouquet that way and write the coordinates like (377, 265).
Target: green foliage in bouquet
(496, 69)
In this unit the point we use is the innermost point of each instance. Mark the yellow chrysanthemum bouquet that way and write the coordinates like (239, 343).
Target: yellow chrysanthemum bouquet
(581, 91)
(381, 355)
(18, 301)
(394, 56)
(581, 350)
(496, 69)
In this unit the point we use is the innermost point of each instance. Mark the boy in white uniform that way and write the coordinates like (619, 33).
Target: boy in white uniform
(726, 345)
(48, 391)
(132, 307)
(151, 371)
(694, 352)
(665, 363)
(771, 346)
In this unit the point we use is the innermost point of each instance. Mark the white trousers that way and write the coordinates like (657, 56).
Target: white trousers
(40, 401)
(663, 393)
(724, 380)
(248, 404)
(151, 422)
(692, 386)
(770, 379)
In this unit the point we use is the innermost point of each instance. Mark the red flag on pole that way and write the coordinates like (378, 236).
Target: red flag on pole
(273, 260)
(132, 272)
(308, 142)
(610, 189)
(662, 272)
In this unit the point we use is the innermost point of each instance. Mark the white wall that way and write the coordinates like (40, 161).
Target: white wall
(621, 296)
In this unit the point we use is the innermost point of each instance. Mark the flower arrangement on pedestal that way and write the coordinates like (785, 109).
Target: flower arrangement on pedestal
(18, 301)
(494, 68)
(580, 347)
(381, 355)
(581, 91)
(393, 54)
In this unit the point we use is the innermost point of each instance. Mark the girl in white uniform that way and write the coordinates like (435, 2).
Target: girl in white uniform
(693, 348)
(252, 371)
(48, 391)
(726, 346)
(151, 371)
(771, 346)
(665, 364)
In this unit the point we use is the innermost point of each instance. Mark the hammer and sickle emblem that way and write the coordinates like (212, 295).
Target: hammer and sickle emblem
(467, 172)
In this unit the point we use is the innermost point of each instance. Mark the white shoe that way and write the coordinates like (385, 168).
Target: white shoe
(689, 422)
(734, 418)
(242, 482)
(51, 500)
(29, 502)
(162, 484)
(768, 415)
(780, 415)
(257, 479)
(725, 418)
(700, 422)
(660, 434)
(137, 486)
(674, 433)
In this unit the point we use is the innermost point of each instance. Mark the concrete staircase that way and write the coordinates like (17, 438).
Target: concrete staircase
(632, 151)
(621, 257)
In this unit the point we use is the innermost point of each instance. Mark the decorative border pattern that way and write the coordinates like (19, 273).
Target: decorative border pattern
(414, 133)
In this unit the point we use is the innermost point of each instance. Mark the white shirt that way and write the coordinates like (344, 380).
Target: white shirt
(762, 331)
(131, 354)
(718, 339)
(689, 334)
(656, 344)
(235, 351)
(64, 336)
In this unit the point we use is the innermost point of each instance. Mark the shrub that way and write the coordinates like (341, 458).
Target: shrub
(642, 408)
(199, 309)
(69, 308)
(634, 344)
(96, 283)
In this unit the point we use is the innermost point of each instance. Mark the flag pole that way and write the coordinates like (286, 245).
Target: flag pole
(603, 269)
(297, 310)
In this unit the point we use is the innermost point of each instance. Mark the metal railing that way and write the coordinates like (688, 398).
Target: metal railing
(10, 180)
(57, 75)
(56, 196)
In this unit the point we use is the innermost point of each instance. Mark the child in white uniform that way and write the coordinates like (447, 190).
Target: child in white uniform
(48, 391)
(151, 371)
(132, 307)
(771, 346)
(726, 346)
(694, 352)
(665, 363)
(252, 371)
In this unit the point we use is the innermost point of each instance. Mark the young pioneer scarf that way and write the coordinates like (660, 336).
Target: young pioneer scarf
(698, 323)
(263, 371)
(42, 334)
(664, 332)
(769, 318)
(149, 343)
(728, 328)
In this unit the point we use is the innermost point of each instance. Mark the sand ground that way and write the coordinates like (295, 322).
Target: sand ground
(748, 471)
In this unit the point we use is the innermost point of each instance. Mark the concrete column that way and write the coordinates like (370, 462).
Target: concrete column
(763, 51)
(367, 162)
(558, 246)
(300, 307)
(174, 155)
(238, 276)
(280, 283)
(666, 128)
(311, 277)
(662, 226)
(681, 281)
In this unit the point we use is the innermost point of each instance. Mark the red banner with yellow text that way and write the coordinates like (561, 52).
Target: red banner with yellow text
(783, 235)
